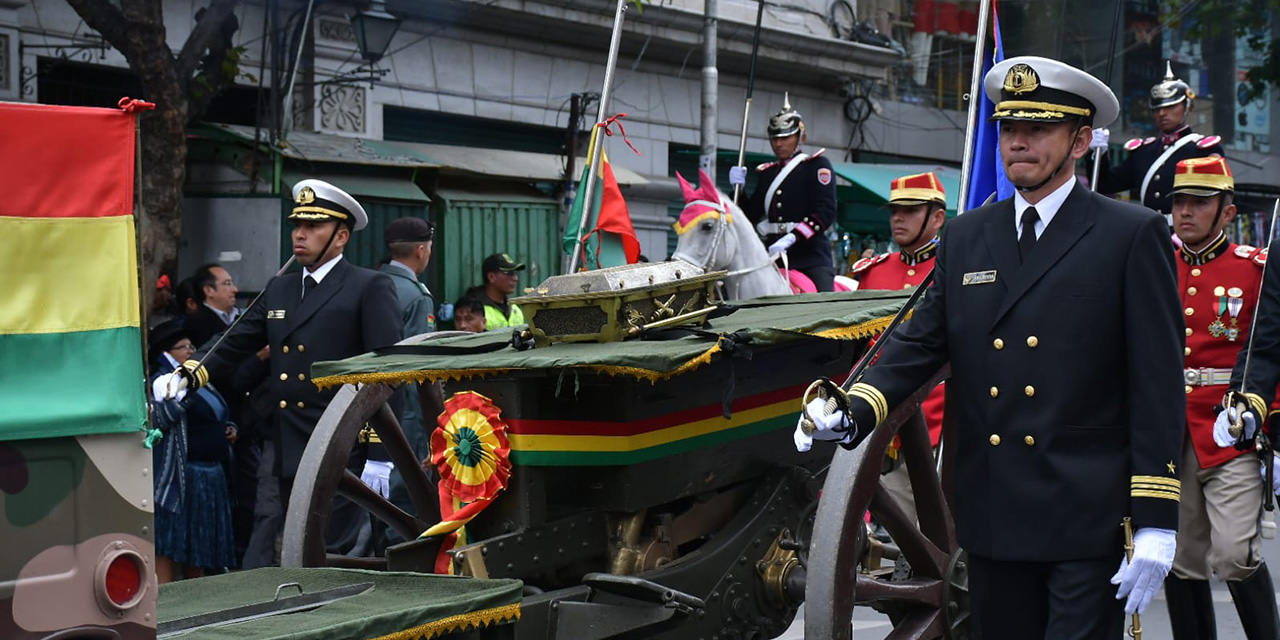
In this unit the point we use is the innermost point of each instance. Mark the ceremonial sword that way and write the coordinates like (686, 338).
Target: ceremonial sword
(837, 396)
(1237, 425)
(188, 375)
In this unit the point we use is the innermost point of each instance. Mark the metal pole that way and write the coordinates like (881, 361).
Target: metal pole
(710, 89)
(287, 116)
(1111, 61)
(588, 189)
(751, 85)
(975, 95)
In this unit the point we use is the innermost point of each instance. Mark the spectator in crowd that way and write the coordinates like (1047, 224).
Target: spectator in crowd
(193, 499)
(185, 303)
(500, 279)
(216, 293)
(468, 314)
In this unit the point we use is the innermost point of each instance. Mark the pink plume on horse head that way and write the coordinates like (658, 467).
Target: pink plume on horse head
(706, 188)
(700, 202)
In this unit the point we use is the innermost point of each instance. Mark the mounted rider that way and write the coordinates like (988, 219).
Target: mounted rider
(795, 200)
(1148, 171)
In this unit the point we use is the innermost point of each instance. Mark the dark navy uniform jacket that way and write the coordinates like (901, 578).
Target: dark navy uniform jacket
(351, 311)
(807, 198)
(1129, 174)
(1066, 394)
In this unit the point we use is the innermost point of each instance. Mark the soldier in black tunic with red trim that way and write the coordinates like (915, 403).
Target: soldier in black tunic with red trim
(1147, 174)
(795, 200)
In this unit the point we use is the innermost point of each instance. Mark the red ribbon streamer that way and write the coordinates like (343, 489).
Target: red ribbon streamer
(609, 132)
(130, 105)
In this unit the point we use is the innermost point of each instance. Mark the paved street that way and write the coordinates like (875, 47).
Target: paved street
(869, 625)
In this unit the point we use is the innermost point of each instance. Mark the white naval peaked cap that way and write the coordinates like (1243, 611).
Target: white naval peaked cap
(1042, 90)
(319, 200)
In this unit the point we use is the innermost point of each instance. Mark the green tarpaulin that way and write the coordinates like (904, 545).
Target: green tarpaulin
(769, 321)
(400, 606)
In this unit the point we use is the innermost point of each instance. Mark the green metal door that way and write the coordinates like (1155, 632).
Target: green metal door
(474, 225)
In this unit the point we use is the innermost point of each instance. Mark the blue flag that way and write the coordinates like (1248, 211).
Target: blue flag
(987, 177)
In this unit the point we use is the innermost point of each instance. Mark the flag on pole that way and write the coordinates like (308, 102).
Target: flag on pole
(71, 358)
(987, 176)
(610, 240)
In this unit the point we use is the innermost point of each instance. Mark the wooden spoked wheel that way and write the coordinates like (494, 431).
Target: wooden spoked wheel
(932, 602)
(323, 474)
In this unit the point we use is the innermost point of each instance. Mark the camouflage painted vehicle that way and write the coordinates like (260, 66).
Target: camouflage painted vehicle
(76, 522)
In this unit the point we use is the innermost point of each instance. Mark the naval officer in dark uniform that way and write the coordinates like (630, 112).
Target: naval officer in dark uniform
(1147, 174)
(795, 200)
(1058, 312)
(331, 310)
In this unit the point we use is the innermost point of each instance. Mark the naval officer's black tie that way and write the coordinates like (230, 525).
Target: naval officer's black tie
(1028, 239)
(308, 284)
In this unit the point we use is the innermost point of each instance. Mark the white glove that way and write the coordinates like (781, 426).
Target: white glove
(738, 176)
(377, 474)
(831, 428)
(1100, 139)
(781, 245)
(1142, 579)
(1222, 425)
(1275, 473)
(170, 386)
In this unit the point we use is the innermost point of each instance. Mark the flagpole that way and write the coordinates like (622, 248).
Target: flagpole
(975, 96)
(588, 190)
(1111, 61)
(751, 83)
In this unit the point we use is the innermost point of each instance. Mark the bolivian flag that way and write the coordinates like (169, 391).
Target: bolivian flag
(70, 342)
(609, 239)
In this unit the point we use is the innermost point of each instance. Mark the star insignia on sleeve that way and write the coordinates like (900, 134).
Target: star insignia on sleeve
(1172, 469)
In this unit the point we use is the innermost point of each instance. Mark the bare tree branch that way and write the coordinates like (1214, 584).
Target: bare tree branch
(216, 24)
(106, 19)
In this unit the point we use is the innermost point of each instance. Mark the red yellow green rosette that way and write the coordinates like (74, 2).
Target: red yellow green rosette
(472, 454)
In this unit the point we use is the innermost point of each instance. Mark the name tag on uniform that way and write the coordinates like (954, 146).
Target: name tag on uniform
(275, 314)
(979, 277)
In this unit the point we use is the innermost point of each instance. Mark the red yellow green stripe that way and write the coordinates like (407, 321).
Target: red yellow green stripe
(548, 442)
(68, 274)
(66, 384)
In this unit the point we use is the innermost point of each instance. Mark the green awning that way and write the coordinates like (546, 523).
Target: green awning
(871, 181)
(380, 187)
(861, 203)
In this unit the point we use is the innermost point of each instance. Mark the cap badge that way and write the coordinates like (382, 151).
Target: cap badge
(1021, 79)
(306, 196)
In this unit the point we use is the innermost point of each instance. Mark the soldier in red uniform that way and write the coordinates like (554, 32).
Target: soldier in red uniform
(917, 209)
(1221, 489)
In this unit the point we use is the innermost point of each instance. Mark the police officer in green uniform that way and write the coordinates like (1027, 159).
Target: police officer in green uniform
(1147, 174)
(1058, 312)
(331, 310)
(795, 200)
(500, 279)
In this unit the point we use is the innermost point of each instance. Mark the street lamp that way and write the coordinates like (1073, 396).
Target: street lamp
(374, 29)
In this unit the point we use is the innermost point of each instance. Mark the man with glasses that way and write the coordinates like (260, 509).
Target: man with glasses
(216, 293)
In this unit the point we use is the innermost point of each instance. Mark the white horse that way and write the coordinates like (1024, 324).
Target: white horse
(713, 233)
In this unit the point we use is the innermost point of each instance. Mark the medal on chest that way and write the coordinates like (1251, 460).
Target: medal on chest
(1234, 304)
(1217, 328)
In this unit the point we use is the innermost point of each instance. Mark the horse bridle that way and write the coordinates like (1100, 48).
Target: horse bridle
(721, 227)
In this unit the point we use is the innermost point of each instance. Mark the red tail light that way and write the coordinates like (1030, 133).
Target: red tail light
(122, 579)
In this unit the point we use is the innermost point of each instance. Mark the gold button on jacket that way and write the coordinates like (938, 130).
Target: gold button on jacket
(284, 376)
(1033, 341)
(994, 392)
(998, 344)
(284, 405)
(1030, 391)
(1030, 441)
(994, 440)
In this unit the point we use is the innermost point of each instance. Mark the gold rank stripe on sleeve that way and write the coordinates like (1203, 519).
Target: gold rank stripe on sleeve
(1155, 487)
(873, 397)
(1256, 403)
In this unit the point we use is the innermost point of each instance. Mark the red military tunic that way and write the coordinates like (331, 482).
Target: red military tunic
(1208, 282)
(901, 271)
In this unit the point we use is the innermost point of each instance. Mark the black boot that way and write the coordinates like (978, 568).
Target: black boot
(1255, 599)
(1190, 609)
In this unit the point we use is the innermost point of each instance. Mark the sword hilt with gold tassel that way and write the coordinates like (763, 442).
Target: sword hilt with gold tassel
(1135, 628)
